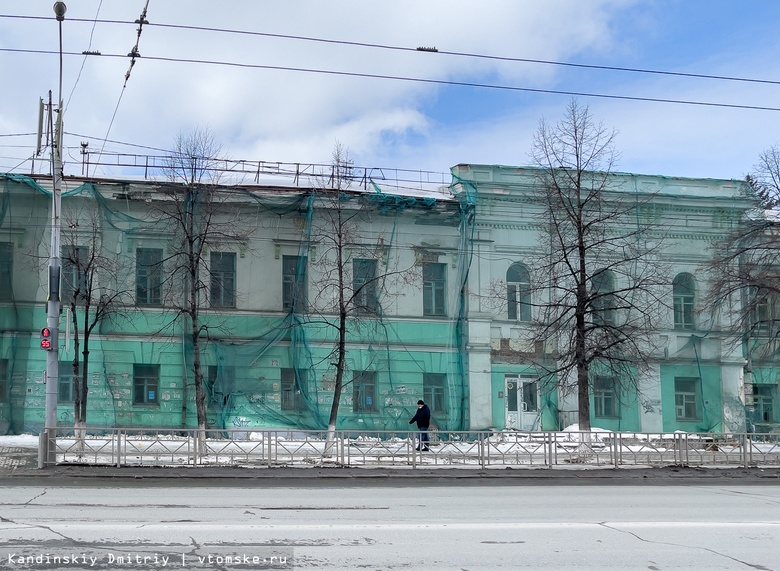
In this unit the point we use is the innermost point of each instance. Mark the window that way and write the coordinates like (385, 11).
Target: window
(364, 391)
(294, 283)
(292, 397)
(65, 384)
(433, 392)
(683, 295)
(223, 279)
(763, 396)
(434, 289)
(762, 313)
(148, 276)
(3, 380)
(605, 401)
(603, 298)
(146, 381)
(364, 286)
(75, 264)
(220, 383)
(686, 400)
(6, 271)
(518, 292)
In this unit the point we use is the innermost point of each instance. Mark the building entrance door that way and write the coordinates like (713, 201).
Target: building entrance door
(522, 402)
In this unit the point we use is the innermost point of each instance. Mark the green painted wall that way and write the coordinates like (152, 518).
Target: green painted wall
(708, 395)
(628, 419)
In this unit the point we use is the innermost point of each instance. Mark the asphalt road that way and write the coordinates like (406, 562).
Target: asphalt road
(412, 523)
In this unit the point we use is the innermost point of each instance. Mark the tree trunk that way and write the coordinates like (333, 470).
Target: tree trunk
(78, 405)
(200, 396)
(340, 364)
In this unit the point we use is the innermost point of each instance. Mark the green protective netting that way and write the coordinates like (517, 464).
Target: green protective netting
(266, 368)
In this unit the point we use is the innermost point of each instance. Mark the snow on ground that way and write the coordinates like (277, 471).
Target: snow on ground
(19, 441)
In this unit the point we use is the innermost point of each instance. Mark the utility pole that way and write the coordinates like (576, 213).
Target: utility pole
(47, 453)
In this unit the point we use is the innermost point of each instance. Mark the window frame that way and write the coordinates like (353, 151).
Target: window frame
(291, 395)
(684, 399)
(763, 401)
(684, 301)
(6, 271)
(518, 294)
(148, 277)
(70, 270)
(364, 286)
(606, 403)
(65, 381)
(603, 285)
(763, 309)
(434, 289)
(222, 275)
(146, 376)
(294, 283)
(227, 373)
(364, 392)
(435, 392)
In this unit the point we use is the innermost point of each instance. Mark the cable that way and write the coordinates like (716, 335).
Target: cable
(429, 81)
(104, 140)
(133, 55)
(20, 164)
(442, 52)
(472, 55)
(84, 61)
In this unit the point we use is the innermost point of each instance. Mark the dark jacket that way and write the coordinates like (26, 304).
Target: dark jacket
(422, 417)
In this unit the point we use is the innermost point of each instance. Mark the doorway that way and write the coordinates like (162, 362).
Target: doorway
(522, 402)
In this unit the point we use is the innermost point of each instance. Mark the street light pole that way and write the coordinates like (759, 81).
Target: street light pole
(53, 301)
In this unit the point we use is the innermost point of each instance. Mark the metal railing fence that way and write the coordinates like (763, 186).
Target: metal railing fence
(463, 449)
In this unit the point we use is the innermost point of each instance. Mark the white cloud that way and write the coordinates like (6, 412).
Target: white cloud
(296, 117)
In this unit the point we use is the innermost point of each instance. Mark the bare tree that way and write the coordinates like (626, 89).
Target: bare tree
(201, 217)
(91, 291)
(353, 268)
(744, 272)
(597, 275)
(765, 178)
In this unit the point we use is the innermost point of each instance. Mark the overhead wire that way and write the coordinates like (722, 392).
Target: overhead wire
(84, 61)
(104, 140)
(430, 81)
(623, 69)
(134, 53)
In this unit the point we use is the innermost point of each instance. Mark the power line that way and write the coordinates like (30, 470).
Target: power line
(415, 49)
(104, 140)
(472, 55)
(133, 55)
(427, 81)
(89, 47)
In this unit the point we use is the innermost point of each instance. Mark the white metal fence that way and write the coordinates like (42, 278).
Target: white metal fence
(473, 449)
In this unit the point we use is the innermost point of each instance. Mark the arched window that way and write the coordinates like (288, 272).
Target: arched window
(603, 299)
(684, 297)
(518, 292)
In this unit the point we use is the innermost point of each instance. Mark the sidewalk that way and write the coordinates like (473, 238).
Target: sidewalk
(18, 464)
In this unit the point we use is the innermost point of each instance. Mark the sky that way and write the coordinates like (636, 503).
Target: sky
(274, 103)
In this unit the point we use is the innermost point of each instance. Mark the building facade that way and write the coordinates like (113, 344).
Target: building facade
(435, 284)
(695, 379)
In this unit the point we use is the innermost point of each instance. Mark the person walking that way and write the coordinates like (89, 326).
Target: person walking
(423, 419)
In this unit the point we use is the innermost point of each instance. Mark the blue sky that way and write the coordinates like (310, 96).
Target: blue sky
(276, 115)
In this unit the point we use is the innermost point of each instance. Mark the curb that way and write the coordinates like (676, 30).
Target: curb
(296, 475)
